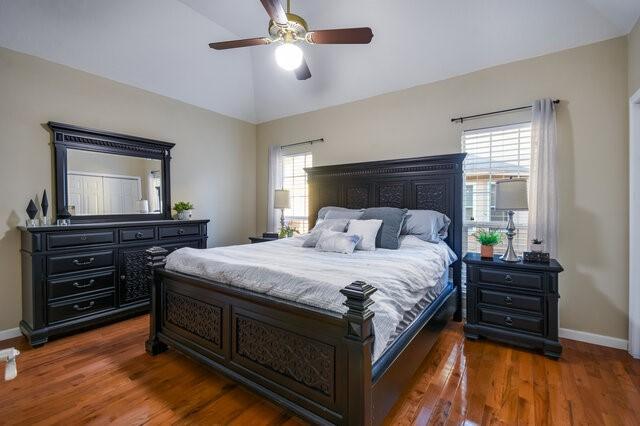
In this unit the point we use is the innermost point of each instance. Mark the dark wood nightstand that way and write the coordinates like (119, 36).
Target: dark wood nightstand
(261, 239)
(515, 303)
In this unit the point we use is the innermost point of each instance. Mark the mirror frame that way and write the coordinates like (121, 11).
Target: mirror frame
(65, 136)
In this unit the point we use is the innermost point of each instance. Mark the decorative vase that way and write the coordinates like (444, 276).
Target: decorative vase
(183, 215)
(537, 247)
(486, 252)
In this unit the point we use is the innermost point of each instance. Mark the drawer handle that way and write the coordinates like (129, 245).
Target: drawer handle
(139, 235)
(85, 263)
(508, 300)
(84, 308)
(180, 231)
(123, 277)
(508, 320)
(83, 238)
(508, 278)
(89, 284)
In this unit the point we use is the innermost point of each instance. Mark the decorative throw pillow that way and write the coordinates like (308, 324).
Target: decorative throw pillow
(392, 219)
(428, 225)
(344, 214)
(324, 210)
(337, 242)
(368, 230)
(338, 225)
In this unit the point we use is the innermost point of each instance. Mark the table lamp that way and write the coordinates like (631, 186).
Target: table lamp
(511, 195)
(281, 201)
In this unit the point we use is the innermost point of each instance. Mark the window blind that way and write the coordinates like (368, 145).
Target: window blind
(492, 154)
(294, 179)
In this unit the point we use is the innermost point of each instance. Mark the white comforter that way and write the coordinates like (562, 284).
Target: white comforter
(286, 270)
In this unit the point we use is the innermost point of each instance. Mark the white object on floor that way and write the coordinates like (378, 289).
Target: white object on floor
(10, 355)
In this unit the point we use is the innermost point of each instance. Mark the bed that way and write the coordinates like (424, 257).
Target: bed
(330, 350)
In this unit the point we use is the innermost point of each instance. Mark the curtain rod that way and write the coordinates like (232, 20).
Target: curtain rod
(471, 117)
(311, 142)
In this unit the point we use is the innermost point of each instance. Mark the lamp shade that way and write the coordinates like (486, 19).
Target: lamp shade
(511, 194)
(281, 199)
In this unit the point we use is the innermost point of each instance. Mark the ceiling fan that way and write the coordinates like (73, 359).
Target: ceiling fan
(287, 30)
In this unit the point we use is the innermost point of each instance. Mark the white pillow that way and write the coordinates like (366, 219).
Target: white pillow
(323, 224)
(367, 230)
(337, 242)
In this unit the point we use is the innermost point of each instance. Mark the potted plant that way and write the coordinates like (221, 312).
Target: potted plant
(536, 245)
(488, 238)
(183, 210)
(287, 231)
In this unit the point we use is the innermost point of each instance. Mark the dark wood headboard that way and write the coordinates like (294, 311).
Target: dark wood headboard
(431, 183)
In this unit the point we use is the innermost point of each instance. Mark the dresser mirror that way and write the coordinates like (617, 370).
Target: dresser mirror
(104, 176)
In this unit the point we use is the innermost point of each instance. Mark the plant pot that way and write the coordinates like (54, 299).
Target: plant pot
(183, 215)
(486, 252)
(537, 248)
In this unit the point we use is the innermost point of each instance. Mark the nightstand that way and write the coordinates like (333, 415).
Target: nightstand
(261, 239)
(515, 303)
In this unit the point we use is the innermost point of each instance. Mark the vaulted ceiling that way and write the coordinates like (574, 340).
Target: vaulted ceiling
(161, 45)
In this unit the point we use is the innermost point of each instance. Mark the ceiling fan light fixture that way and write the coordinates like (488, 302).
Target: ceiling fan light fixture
(289, 56)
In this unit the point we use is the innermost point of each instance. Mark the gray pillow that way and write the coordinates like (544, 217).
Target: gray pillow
(428, 225)
(344, 214)
(337, 242)
(324, 210)
(392, 220)
(338, 225)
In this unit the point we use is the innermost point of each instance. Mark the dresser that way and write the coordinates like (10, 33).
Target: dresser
(79, 276)
(515, 303)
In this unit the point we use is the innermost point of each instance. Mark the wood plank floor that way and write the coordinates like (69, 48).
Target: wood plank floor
(104, 376)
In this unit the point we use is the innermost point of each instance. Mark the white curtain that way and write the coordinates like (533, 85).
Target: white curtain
(275, 182)
(543, 183)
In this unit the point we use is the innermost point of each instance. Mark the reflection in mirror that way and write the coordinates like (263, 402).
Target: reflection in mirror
(104, 184)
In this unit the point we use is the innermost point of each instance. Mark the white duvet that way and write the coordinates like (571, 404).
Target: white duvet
(286, 270)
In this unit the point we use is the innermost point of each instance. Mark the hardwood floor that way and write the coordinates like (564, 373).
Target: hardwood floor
(104, 376)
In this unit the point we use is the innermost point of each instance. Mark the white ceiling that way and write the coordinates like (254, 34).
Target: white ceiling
(161, 45)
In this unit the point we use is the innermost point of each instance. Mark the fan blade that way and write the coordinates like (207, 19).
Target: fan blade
(276, 11)
(222, 45)
(342, 36)
(302, 72)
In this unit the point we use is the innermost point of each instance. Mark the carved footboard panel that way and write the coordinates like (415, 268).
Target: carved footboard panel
(308, 360)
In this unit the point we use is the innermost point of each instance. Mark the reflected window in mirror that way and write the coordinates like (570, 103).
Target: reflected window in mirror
(101, 183)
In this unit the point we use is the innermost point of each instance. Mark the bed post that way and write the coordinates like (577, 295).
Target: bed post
(156, 259)
(359, 340)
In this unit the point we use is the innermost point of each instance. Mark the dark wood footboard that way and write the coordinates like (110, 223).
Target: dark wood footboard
(315, 363)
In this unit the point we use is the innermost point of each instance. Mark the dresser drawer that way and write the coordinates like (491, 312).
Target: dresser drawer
(179, 231)
(137, 234)
(80, 261)
(514, 279)
(74, 239)
(65, 311)
(510, 300)
(82, 284)
(503, 319)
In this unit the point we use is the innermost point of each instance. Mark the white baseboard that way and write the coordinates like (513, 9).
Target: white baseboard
(10, 333)
(596, 339)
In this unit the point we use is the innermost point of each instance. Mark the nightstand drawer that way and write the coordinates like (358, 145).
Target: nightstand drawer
(515, 279)
(513, 321)
(510, 300)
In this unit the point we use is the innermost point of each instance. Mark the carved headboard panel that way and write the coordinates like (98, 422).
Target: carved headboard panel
(433, 183)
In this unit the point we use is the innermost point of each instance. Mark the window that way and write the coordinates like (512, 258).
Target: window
(294, 179)
(492, 154)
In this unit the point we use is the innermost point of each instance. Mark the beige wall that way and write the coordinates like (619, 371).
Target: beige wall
(212, 166)
(634, 59)
(591, 81)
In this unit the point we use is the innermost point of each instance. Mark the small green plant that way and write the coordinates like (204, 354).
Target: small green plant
(288, 231)
(488, 237)
(182, 206)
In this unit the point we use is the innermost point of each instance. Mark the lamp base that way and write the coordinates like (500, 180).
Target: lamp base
(510, 255)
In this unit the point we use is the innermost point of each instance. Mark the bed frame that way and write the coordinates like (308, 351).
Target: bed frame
(316, 363)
